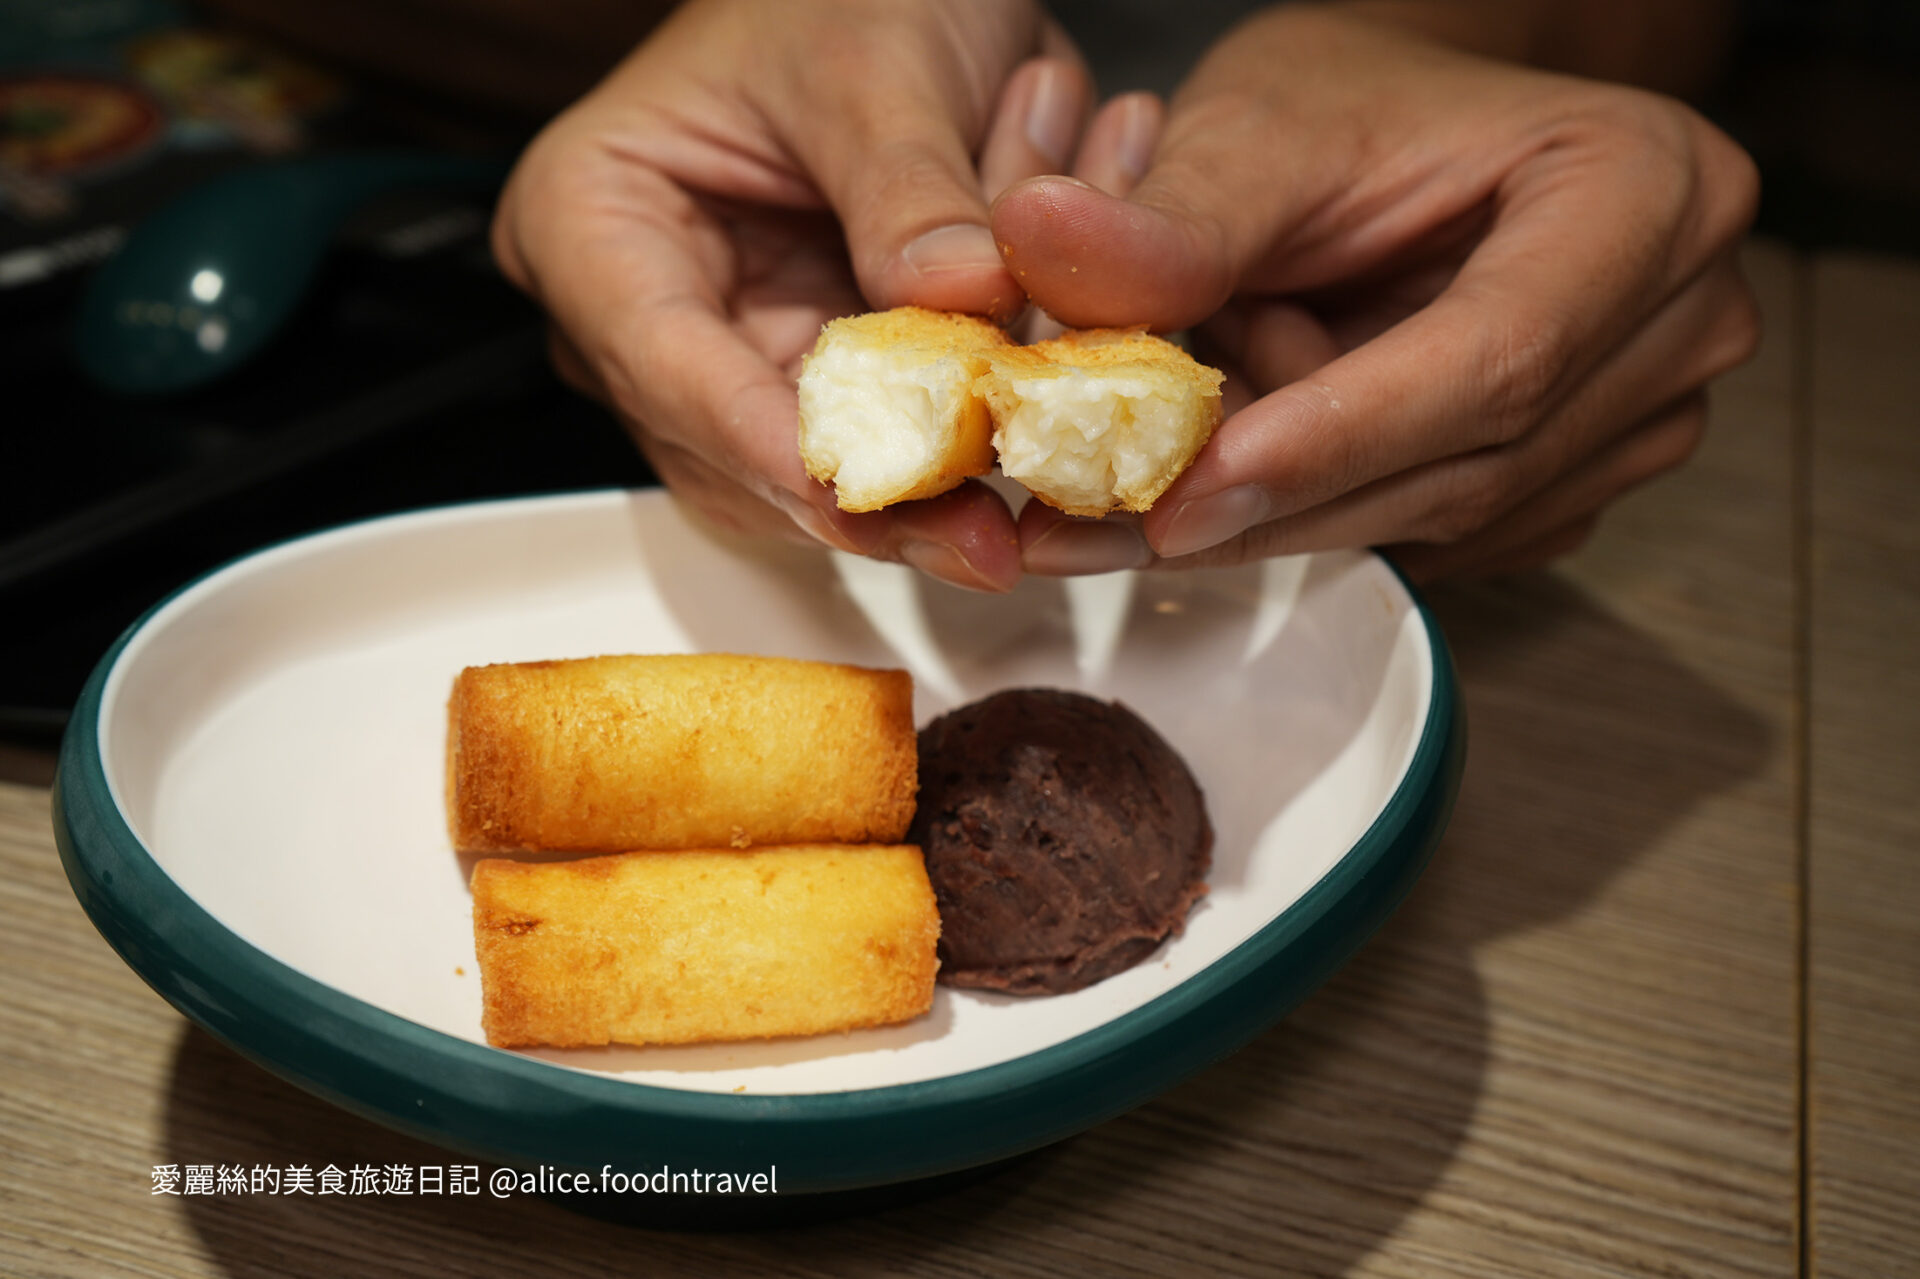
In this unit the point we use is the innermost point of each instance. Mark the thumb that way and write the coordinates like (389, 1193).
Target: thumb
(1205, 212)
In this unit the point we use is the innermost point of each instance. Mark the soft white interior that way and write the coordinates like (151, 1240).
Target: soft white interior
(1085, 437)
(274, 736)
(875, 419)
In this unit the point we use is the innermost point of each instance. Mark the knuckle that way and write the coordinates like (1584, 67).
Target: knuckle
(1648, 124)
(1298, 439)
(1651, 118)
(1703, 177)
(1523, 362)
(907, 186)
(1342, 458)
(1651, 142)
(906, 168)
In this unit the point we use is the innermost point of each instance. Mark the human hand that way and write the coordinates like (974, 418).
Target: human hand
(756, 168)
(1463, 304)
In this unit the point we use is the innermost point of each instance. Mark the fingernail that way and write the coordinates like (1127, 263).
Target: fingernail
(1139, 131)
(1210, 520)
(961, 247)
(1053, 117)
(1079, 548)
(938, 559)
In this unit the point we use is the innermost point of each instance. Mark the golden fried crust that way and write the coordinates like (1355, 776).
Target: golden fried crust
(915, 346)
(612, 754)
(1091, 465)
(687, 947)
(1126, 349)
(916, 329)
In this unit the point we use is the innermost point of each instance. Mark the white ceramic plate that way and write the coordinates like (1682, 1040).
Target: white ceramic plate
(271, 739)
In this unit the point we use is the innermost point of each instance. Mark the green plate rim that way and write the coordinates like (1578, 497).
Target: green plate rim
(516, 1110)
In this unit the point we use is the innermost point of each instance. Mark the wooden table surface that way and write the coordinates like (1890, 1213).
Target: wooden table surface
(1652, 1011)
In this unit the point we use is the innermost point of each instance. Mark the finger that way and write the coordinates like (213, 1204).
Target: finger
(717, 497)
(1371, 518)
(1057, 545)
(720, 418)
(1485, 365)
(1037, 124)
(1118, 147)
(1115, 151)
(891, 146)
(964, 536)
(717, 494)
(1095, 260)
(1531, 533)
(1587, 239)
(1707, 328)
(1191, 226)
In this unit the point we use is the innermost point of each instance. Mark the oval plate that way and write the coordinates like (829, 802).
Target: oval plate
(249, 809)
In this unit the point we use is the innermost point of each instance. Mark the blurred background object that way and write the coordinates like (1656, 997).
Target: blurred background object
(1826, 96)
(205, 283)
(408, 375)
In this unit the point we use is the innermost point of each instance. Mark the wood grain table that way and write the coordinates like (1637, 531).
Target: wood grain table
(1653, 1010)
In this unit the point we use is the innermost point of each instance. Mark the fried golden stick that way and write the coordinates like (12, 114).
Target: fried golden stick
(613, 754)
(687, 947)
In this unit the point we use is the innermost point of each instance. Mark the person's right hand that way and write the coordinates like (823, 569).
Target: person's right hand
(756, 168)
(1463, 304)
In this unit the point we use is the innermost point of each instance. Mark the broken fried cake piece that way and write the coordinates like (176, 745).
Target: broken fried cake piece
(1099, 418)
(697, 946)
(888, 409)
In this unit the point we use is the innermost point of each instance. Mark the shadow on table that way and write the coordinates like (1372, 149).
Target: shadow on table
(1301, 1154)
